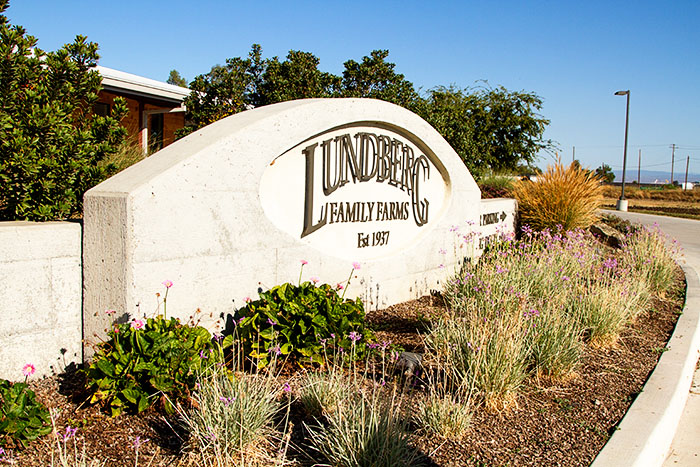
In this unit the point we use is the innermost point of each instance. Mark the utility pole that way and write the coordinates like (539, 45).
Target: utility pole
(673, 153)
(687, 162)
(639, 169)
(573, 156)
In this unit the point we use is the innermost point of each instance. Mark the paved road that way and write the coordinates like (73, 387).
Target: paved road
(685, 449)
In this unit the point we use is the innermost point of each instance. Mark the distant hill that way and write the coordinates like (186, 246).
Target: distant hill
(656, 176)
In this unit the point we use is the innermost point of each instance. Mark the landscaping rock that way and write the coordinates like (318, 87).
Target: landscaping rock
(607, 234)
(410, 363)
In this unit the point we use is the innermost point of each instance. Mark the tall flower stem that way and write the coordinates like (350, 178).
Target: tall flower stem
(355, 266)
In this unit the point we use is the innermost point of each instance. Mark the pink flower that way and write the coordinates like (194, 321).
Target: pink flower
(137, 324)
(356, 265)
(110, 312)
(304, 262)
(248, 299)
(315, 280)
(339, 286)
(353, 336)
(168, 283)
(70, 432)
(286, 387)
(28, 369)
(227, 400)
(138, 442)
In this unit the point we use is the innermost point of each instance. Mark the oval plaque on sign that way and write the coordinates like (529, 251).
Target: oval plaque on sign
(356, 192)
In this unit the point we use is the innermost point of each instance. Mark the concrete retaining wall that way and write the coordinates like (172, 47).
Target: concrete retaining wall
(40, 297)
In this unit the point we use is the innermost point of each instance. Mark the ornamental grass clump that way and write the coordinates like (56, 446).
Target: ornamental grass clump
(652, 256)
(66, 452)
(322, 392)
(231, 419)
(566, 196)
(484, 347)
(445, 410)
(528, 306)
(364, 430)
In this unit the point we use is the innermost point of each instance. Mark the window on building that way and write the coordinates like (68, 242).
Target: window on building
(155, 133)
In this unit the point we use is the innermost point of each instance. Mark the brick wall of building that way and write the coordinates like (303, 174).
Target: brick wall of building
(132, 122)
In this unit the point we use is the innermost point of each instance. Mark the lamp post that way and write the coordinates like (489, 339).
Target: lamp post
(622, 202)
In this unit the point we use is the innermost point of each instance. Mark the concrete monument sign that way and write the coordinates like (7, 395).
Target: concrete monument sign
(366, 191)
(235, 206)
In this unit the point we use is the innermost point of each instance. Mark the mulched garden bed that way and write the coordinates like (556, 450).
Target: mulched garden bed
(550, 424)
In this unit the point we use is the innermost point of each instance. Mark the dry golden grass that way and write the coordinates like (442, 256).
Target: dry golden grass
(128, 154)
(666, 194)
(566, 196)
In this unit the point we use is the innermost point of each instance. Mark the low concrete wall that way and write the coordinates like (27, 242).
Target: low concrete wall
(40, 297)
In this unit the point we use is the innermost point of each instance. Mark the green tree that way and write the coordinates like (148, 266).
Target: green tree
(375, 78)
(224, 91)
(605, 173)
(254, 81)
(297, 77)
(490, 128)
(176, 79)
(51, 143)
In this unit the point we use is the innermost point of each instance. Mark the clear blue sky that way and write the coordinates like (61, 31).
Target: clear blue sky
(574, 55)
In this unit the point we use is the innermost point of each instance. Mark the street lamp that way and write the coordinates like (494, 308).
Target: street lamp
(622, 202)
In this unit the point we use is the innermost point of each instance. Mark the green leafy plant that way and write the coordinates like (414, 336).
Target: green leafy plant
(22, 417)
(51, 142)
(142, 359)
(302, 321)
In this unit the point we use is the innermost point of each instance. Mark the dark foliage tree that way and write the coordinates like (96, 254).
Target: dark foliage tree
(375, 78)
(297, 77)
(224, 91)
(605, 173)
(490, 128)
(176, 79)
(51, 143)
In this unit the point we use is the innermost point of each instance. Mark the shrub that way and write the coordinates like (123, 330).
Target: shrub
(142, 359)
(50, 141)
(496, 186)
(22, 417)
(298, 320)
(569, 197)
